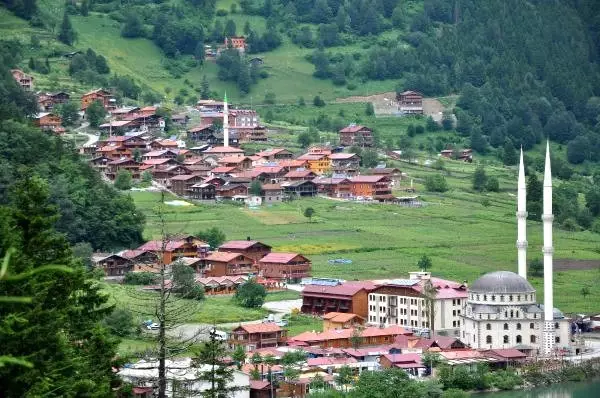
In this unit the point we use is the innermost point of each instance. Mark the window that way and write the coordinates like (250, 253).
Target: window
(510, 298)
(488, 339)
(505, 339)
(477, 297)
(488, 326)
(501, 298)
(518, 326)
(556, 325)
(512, 314)
(532, 339)
(517, 314)
(493, 298)
(454, 312)
(519, 297)
(557, 339)
(458, 323)
(453, 324)
(531, 326)
(506, 326)
(519, 339)
(485, 297)
(506, 314)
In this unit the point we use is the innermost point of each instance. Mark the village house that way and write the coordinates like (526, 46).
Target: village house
(237, 42)
(160, 154)
(113, 152)
(126, 164)
(48, 122)
(231, 191)
(376, 187)
(409, 362)
(209, 105)
(251, 134)
(182, 184)
(24, 80)
(223, 171)
(226, 264)
(220, 284)
(274, 154)
(104, 96)
(345, 163)
(204, 133)
(343, 338)
(128, 141)
(291, 164)
(116, 127)
(239, 162)
(393, 173)
(300, 188)
(250, 248)
(163, 175)
(184, 246)
(410, 102)
(260, 335)
(466, 155)
(300, 174)
(163, 145)
(291, 267)
(152, 164)
(220, 152)
(204, 191)
(350, 297)
(356, 135)
(244, 118)
(318, 163)
(120, 113)
(100, 163)
(341, 320)
(334, 187)
(404, 302)
(47, 101)
(272, 193)
(180, 119)
(115, 265)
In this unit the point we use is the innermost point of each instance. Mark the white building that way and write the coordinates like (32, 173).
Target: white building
(502, 309)
(182, 378)
(403, 302)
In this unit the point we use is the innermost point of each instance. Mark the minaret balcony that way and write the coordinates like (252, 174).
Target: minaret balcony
(548, 217)
(522, 214)
(522, 244)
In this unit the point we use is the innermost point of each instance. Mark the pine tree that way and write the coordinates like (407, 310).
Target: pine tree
(67, 34)
(204, 88)
(85, 8)
(218, 375)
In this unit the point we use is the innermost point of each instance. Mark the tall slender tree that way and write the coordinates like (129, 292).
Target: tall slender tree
(67, 34)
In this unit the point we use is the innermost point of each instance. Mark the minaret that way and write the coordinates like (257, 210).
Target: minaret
(225, 122)
(522, 220)
(548, 251)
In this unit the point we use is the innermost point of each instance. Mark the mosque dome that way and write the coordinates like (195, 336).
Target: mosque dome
(501, 282)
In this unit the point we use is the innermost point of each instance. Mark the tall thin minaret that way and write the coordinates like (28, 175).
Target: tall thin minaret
(225, 121)
(548, 251)
(522, 220)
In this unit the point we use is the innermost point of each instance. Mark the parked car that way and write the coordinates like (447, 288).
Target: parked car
(150, 325)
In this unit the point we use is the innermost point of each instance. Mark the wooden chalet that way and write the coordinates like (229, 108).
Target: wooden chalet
(185, 246)
(341, 320)
(104, 96)
(182, 184)
(377, 187)
(163, 145)
(345, 163)
(113, 168)
(351, 297)
(231, 191)
(180, 119)
(343, 338)
(318, 163)
(115, 265)
(227, 263)
(48, 122)
(393, 173)
(300, 174)
(251, 134)
(275, 154)
(239, 162)
(466, 155)
(272, 193)
(356, 135)
(24, 80)
(256, 336)
(210, 105)
(410, 102)
(250, 248)
(299, 188)
(291, 267)
(160, 154)
(334, 187)
(237, 42)
(409, 362)
(47, 101)
(164, 175)
(204, 133)
(100, 163)
(219, 152)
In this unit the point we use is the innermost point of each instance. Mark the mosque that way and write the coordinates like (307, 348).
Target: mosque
(501, 309)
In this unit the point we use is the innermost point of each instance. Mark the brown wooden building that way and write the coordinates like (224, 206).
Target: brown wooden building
(47, 121)
(104, 96)
(286, 266)
(347, 298)
(343, 338)
(341, 320)
(225, 264)
(356, 135)
(255, 336)
(185, 246)
(182, 184)
(115, 265)
(377, 187)
(410, 102)
(250, 248)
(130, 165)
(24, 80)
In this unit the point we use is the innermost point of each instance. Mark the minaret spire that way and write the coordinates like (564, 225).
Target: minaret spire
(225, 121)
(548, 250)
(522, 220)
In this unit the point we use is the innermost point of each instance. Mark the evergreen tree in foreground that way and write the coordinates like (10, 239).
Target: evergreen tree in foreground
(67, 34)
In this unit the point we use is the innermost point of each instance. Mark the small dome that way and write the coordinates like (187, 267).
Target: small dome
(501, 282)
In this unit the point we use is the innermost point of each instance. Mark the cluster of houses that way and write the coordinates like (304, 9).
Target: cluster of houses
(353, 336)
(219, 271)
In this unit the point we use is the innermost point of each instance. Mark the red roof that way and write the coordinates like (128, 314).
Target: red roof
(368, 178)
(271, 187)
(233, 159)
(507, 353)
(200, 127)
(279, 258)
(336, 334)
(223, 256)
(311, 156)
(404, 358)
(298, 174)
(157, 245)
(444, 342)
(270, 152)
(328, 361)
(259, 384)
(240, 244)
(157, 161)
(347, 289)
(340, 317)
(267, 327)
(223, 169)
(183, 177)
(342, 156)
(353, 128)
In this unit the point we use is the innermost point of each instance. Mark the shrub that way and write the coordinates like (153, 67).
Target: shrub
(251, 294)
(221, 12)
(436, 183)
(119, 322)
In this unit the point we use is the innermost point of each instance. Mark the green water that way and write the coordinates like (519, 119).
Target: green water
(589, 389)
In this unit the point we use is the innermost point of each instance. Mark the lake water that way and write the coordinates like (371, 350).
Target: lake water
(590, 389)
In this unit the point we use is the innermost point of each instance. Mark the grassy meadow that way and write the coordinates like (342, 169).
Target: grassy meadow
(465, 234)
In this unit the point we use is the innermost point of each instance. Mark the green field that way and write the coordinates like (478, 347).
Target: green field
(463, 234)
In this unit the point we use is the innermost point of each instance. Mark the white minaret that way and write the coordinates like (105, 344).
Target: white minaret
(548, 251)
(225, 122)
(522, 220)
